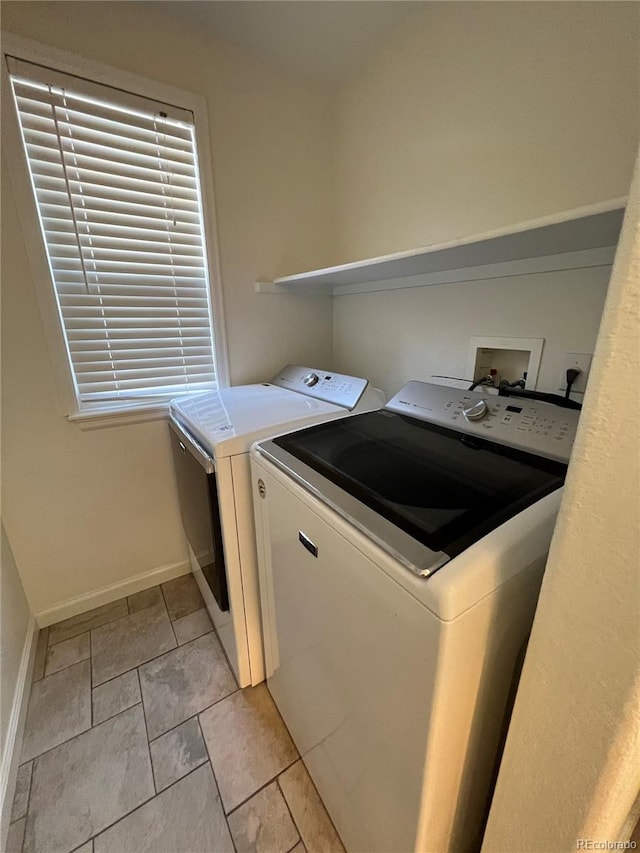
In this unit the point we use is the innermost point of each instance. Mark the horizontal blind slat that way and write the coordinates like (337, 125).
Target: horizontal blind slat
(104, 171)
(150, 195)
(35, 79)
(37, 115)
(41, 120)
(110, 247)
(85, 153)
(91, 183)
(81, 139)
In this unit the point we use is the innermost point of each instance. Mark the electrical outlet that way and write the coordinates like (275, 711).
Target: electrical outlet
(580, 361)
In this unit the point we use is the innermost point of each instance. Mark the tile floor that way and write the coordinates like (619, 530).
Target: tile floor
(138, 739)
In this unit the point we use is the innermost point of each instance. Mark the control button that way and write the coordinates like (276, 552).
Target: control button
(506, 419)
(311, 379)
(476, 411)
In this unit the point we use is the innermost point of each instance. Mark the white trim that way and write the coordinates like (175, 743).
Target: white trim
(564, 238)
(12, 746)
(107, 594)
(586, 258)
(68, 63)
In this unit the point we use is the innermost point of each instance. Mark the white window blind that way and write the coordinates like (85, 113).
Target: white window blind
(117, 189)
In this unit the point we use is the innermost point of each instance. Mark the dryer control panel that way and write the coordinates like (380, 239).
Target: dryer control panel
(336, 388)
(525, 424)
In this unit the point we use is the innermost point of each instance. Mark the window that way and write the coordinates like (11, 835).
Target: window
(117, 187)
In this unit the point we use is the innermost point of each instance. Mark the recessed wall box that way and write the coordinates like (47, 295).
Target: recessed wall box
(511, 358)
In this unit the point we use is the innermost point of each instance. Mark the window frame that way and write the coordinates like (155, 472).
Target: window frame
(16, 160)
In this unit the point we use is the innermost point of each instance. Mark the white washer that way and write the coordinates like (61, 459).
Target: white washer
(401, 554)
(211, 435)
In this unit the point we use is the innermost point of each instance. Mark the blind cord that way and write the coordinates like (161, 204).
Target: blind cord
(68, 188)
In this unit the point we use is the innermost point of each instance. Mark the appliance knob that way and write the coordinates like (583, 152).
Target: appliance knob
(311, 379)
(476, 411)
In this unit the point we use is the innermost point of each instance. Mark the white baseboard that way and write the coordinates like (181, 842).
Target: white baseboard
(15, 731)
(107, 594)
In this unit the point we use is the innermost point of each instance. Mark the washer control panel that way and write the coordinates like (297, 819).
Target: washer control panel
(525, 424)
(337, 388)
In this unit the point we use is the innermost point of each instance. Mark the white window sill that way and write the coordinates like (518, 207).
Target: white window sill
(104, 417)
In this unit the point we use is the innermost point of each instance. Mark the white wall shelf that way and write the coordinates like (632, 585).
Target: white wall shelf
(585, 237)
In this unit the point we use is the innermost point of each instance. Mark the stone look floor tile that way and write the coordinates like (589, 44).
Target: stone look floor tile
(144, 599)
(15, 836)
(21, 796)
(263, 824)
(182, 596)
(128, 642)
(186, 817)
(41, 654)
(86, 848)
(317, 831)
(86, 784)
(67, 653)
(59, 709)
(194, 625)
(183, 682)
(115, 696)
(247, 742)
(177, 753)
(299, 848)
(87, 621)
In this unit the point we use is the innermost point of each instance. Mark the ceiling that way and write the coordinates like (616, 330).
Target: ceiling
(322, 40)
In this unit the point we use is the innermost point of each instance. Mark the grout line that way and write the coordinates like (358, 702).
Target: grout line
(215, 780)
(197, 714)
(146, 728)
(45, 632)
(83, 732)
(124, 598)
(286, 802)
(262, 787)
(95, 627)
(155, 657)
(141, 805)
(92, 687)
(164, 599)
(91, 684)
(68, 640)
(117, 714)
(91, 677)
(26, 814)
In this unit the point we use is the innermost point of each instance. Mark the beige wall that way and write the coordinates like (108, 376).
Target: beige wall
(474, 116)
(478, 115)
(396, 335)
(572, 759)
(86, 510)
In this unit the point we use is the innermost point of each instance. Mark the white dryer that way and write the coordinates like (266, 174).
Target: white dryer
(211, 434)
(401, 554)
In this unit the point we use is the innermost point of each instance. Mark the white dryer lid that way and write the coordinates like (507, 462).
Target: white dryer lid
(228, 421)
